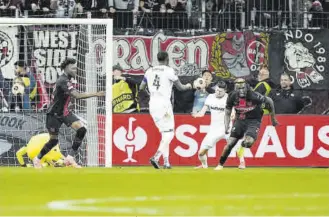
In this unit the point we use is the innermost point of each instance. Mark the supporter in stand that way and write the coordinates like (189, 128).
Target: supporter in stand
(24, 88)
(265, 85)
(64, 8)
(153, 12)
(99, 8)
(124, 12)
(286, 99)
(8, 7)
(316, 16)
(176, 16)
(201, 95)
(184, 101)
(125, 92)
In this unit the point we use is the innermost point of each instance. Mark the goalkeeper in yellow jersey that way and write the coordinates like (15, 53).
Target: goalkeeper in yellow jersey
(32, 149)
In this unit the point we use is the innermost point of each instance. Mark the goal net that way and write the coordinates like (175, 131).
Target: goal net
(41, 45)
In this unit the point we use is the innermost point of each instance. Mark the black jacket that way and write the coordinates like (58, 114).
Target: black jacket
(287, 101)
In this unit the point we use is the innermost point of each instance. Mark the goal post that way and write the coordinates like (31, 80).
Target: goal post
(49, 42)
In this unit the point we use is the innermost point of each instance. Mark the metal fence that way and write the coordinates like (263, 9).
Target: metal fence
(231, 18)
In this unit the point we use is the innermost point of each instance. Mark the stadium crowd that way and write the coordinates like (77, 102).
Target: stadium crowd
(178, 14)
(140, 15)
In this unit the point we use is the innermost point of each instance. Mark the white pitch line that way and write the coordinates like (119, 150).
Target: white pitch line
(80, 205)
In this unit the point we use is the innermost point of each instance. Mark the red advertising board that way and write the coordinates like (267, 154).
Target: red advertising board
(297, 141)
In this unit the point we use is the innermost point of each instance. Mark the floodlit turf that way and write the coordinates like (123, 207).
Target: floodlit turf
(181, 191)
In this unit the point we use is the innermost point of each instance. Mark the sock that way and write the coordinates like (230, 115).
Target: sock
(157, 155)
(81, 132)
(166, 138)
(227, 150)
(47, 147)
(240, 153)
(166, 161)
(203, 160)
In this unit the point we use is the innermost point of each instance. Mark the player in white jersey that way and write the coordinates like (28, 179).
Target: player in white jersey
(216, 103)
(160, 80)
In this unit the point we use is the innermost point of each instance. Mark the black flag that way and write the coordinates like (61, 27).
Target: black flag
(303, 54)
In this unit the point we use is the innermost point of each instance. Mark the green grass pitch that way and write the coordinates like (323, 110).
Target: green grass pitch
(180, 191)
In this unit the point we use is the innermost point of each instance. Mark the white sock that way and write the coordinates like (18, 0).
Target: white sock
(157, 155)
(166, 138)
(203, 160)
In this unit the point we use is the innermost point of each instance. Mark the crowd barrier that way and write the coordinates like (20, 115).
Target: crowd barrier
(298, 140)
(197, 19)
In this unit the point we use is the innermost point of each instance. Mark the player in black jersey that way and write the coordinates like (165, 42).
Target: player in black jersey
(248, 117)
(59, 113)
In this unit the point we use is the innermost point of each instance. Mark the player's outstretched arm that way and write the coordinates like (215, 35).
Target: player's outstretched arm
(75, 94)
(227, 119)
(201, 113)
(182, 87)
(19, 154)
(272, 110)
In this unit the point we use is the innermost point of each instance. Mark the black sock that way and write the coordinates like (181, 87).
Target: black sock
(47, 147)
(226, 153)
(77, 141)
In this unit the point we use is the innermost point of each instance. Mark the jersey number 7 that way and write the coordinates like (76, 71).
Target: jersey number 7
(156, 82)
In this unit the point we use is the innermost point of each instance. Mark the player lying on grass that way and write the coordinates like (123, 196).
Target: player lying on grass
(36, 143)
(216, 103)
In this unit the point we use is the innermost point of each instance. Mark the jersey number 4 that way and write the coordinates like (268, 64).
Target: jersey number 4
(156, 82)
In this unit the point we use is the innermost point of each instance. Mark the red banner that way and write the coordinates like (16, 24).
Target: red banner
(297, 141)
(237, 54)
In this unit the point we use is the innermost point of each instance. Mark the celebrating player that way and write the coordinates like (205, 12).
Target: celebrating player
(249, 113)
(59, 113)
(160, 80)
(36, 143)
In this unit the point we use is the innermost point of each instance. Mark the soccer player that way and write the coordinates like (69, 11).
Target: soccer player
(216, 104)
(59, 113)
(159, 80)
(249, 113)
(36, 143)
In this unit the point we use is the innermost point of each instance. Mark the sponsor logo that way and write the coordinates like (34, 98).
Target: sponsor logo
(130, 140)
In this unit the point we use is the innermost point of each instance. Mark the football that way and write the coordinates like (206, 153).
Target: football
(18, 89)
(199, 83)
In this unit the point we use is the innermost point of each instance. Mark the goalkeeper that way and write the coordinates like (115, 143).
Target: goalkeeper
(32, 149)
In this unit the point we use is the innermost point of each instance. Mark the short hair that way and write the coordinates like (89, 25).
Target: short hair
(162, 56)
(286, 74)
(67, 61)
(204, 71)
(20, 63)
(221, 84)
(117, 67)
(264, 66)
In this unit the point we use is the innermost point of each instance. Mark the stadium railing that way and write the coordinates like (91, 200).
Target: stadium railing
(198, 21)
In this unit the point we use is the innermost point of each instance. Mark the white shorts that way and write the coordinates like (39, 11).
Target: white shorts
(163, 117)
(212, 137)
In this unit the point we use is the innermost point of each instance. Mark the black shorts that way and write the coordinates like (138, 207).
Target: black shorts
(248, 127)
(54, 122)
